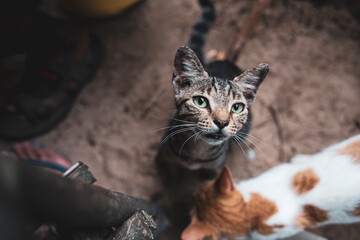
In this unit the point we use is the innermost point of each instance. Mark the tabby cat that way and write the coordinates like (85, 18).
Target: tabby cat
(311, 191)
(212, 106)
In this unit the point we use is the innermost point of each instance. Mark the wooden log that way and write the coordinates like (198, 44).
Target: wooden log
(139, 226)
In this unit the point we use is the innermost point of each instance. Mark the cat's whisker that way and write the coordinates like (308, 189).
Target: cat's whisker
(175, 133)
(239, 144)
(252, 136)
(199, 135)
(256, 138)
(246, 136)
(258, 148)
(179, 120)
(186, 142)
(254, 145)
(243, 141)
(176, 126)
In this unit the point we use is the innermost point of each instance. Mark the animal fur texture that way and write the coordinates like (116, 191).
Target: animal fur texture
(311, 191)
(212, 107)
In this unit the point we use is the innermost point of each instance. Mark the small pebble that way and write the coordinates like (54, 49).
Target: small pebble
(81, 107)
(251, 155)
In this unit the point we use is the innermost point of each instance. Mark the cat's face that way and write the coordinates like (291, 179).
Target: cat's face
(219, 211)
(219, 107)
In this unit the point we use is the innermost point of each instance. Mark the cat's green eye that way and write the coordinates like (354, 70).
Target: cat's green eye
(200, 102)
(237, 108)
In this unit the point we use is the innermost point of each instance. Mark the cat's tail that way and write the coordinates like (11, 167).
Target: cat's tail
(201, 28)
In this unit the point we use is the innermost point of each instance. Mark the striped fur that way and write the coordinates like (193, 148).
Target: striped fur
(197, 140)
(201, 28)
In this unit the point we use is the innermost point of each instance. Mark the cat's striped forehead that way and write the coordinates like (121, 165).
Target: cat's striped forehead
(220, 90)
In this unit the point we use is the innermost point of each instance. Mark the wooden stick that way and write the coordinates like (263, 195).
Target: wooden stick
(248, 27)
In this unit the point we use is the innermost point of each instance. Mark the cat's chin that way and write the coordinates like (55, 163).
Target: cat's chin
(214, 138)
(213, 141)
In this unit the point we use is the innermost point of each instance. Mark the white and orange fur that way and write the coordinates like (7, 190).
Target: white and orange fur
(310, 191)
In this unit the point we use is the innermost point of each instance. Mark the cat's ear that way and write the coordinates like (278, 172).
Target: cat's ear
(187, 68)
(225, 183)
(196, 231)
(251, 79)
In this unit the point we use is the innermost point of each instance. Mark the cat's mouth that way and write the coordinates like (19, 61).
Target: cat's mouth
(215, 137)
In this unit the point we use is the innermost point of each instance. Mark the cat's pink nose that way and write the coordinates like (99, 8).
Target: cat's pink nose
(221, 123)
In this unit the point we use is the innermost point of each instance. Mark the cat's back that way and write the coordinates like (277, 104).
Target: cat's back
(223, 69)
(328, 180)
(352, 142)
(335, 168)
(339, 160)
(336, 171)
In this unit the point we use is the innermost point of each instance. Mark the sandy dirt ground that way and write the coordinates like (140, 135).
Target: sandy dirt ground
(310, 99)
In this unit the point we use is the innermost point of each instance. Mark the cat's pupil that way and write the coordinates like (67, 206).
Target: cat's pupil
(201, 101)
(236, 107)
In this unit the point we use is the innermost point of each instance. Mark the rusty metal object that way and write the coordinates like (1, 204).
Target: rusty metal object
(80, 171)
(46, 197)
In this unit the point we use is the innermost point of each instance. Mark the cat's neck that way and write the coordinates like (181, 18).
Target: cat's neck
(194, 150)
